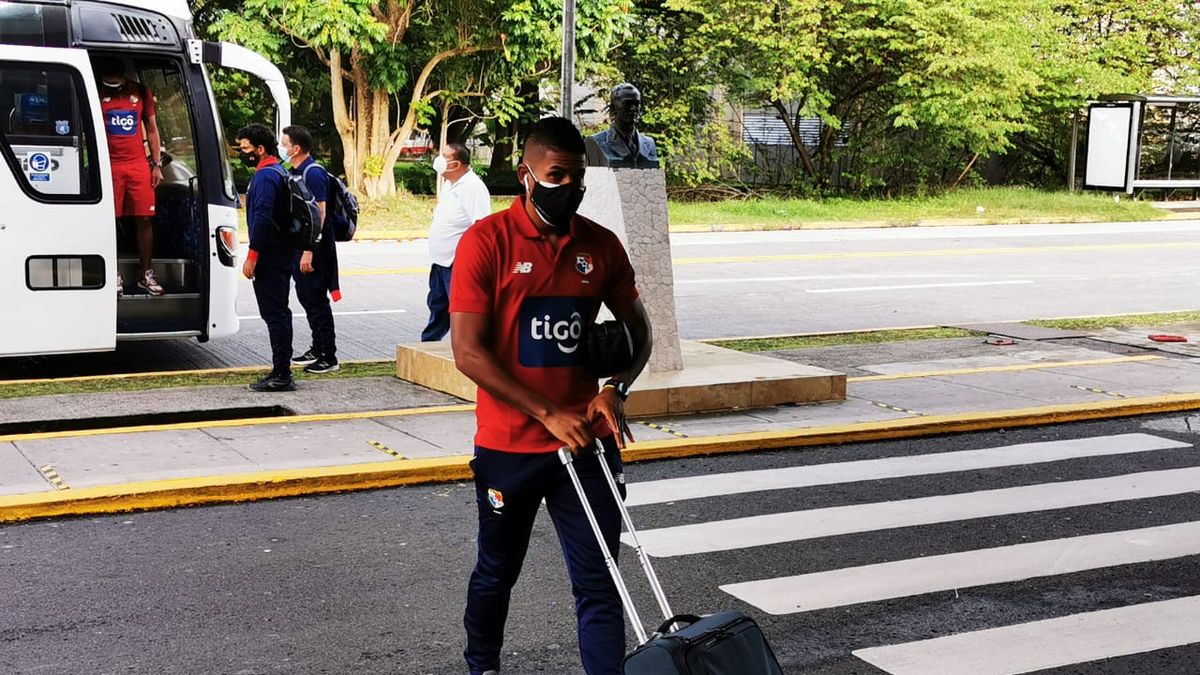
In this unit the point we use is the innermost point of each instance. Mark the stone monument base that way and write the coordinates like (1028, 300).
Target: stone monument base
(713, 379)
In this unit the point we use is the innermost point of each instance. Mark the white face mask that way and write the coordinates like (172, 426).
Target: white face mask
(441, 166)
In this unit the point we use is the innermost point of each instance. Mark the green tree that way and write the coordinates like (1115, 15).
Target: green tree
(391, 61)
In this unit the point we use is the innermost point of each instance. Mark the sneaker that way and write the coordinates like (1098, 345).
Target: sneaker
(150, 284)
(306, 358)
(120, 286)
(272, 383)
(323, 365)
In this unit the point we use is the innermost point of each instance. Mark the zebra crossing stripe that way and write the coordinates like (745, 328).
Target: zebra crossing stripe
(713, 485)
(1038, 645)
(776, 528)
(871, 583)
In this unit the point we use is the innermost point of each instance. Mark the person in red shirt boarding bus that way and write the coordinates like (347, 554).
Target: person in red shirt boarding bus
(128, 109)
(527, 285)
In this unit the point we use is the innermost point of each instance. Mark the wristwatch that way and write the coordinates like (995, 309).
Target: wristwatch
(621, 387)
(155, 165)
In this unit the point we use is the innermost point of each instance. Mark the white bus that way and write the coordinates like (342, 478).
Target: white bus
(59, 247)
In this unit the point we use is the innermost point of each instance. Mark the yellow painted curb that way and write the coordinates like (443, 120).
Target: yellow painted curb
(227, 370)
(319, 480)
(245, 422)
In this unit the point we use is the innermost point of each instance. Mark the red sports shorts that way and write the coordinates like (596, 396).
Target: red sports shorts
(132, 194)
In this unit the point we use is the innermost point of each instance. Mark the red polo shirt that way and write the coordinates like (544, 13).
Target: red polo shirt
(124, 112)
(539, 303)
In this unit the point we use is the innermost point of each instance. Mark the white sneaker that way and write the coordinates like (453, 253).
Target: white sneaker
(150, 284)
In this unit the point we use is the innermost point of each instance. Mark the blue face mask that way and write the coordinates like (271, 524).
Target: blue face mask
(555, 203)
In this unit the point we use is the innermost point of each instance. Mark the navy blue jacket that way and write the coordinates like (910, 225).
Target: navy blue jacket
(264, 198)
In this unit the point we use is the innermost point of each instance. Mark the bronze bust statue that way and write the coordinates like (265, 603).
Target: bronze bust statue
(621, 146)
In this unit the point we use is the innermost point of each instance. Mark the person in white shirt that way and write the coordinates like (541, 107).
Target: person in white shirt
(464, 199)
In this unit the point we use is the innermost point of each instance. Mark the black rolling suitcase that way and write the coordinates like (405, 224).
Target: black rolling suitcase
(727, 643)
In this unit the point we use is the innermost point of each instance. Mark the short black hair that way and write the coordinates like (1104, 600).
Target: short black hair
(259, 134)
(300, 136)
(556, 133)
(108, 65)
(460, 152)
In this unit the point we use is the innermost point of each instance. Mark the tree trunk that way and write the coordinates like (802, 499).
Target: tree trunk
(343, 123)
(797, 142)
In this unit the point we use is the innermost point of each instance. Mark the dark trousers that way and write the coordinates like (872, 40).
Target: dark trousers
(272, 288)
(313, 292)
(509, 488)
(439, 304)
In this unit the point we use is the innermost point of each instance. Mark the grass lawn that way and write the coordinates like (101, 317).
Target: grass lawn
(410, 214)
(134, 382)
(840, 339)
(1000, 205)
(1121, 321)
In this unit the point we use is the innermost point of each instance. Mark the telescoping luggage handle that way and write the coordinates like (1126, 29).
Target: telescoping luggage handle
(568, 460)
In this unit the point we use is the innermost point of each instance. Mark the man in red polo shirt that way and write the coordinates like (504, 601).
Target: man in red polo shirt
(527, 284)
(128, 108)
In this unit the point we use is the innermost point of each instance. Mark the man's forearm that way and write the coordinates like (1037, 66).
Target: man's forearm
(483, 369)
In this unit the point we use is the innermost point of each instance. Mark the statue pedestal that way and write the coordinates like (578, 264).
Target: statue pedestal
(712, 379)
(633, 204)
(682, 377)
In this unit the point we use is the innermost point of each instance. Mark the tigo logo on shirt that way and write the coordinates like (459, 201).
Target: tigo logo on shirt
(122, 122)
(552, 331)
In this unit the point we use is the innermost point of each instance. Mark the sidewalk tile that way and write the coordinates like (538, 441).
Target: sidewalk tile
(17, 475)
(288, 446)
(937, 397)
(122, 458)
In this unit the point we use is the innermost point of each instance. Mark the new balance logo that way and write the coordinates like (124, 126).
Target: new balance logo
(522, 268)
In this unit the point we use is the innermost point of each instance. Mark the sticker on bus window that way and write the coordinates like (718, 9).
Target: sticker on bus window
(62, 127)
(39, 162)
(39, 178)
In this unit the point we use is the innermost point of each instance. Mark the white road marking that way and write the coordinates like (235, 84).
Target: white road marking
(726, 535)
(713, 485)
(1038, 645)
(907, 287)
(1004, 564)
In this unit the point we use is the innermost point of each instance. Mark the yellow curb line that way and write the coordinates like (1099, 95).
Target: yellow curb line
(1006, 369)
(297, 482)
(245, 422)
(228, 370)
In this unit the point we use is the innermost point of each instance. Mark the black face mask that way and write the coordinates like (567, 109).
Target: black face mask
(556, 204)
(250, 159)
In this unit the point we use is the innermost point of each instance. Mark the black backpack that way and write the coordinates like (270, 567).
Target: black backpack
(299, 226)
(343, 210)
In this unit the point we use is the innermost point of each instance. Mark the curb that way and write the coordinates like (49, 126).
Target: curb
(236, 488)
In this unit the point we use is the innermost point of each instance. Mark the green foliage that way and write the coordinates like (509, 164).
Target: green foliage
(418, 178)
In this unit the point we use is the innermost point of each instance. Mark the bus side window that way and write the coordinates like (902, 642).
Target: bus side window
(45, 132)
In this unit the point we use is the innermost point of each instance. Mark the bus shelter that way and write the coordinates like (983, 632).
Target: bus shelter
(1140, 142)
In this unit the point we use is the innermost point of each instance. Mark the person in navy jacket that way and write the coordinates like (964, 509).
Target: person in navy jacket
(269, 261)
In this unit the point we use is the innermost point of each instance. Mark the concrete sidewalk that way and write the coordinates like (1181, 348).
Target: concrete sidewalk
(377, 432)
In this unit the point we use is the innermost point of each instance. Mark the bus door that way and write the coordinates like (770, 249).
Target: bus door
(57, 230)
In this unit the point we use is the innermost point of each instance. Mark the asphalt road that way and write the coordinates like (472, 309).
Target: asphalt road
(374, 582)
(766, 283)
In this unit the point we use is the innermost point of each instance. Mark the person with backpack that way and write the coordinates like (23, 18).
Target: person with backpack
(271, 255)
(315, 272)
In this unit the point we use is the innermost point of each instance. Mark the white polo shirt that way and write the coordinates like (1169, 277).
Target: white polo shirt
(462, 203)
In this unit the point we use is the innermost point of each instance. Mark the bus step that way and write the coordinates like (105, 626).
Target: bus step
(177, 274)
